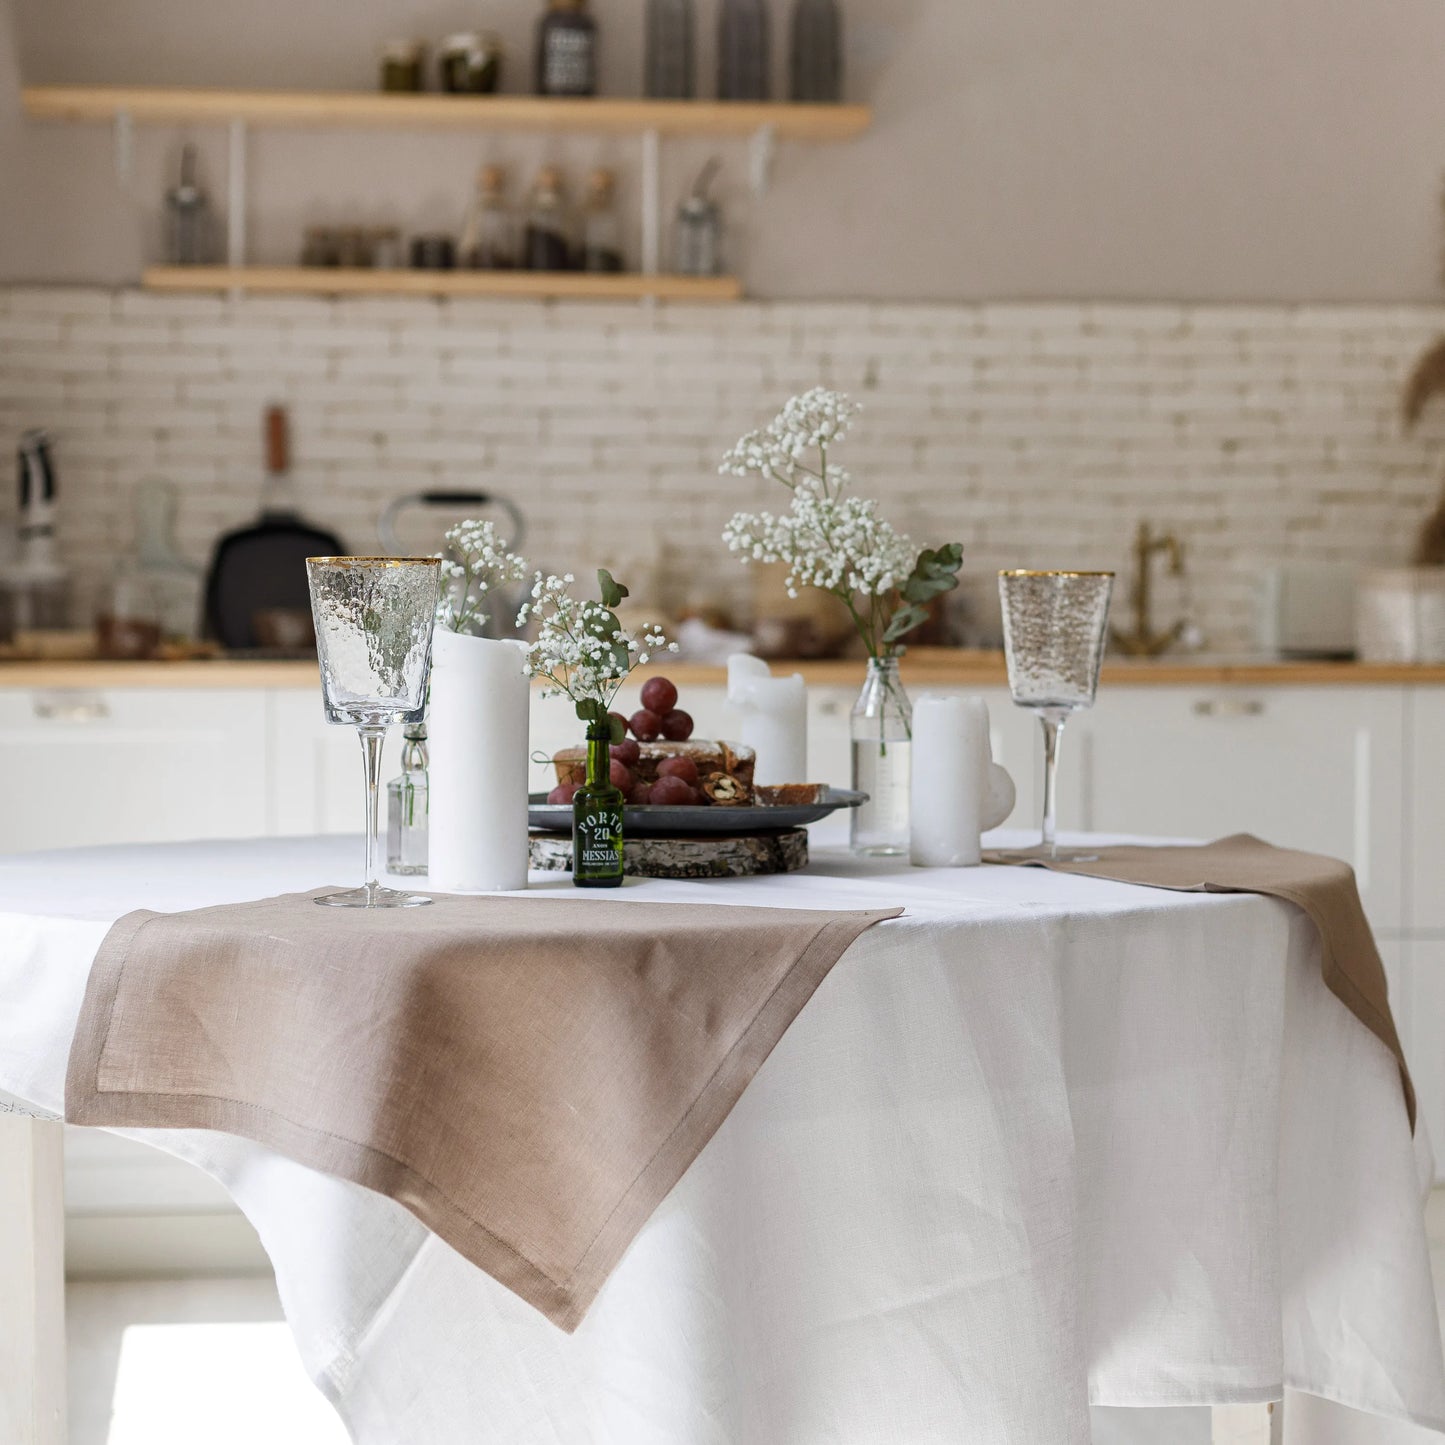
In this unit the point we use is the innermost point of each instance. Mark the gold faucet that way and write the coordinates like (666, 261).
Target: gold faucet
(1143, 641)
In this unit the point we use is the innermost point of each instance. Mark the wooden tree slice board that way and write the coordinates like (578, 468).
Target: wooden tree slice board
(696, 857)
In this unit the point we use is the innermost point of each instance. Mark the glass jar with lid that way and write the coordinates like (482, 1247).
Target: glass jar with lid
(601, 231)
(547, 241)
(470, 63)
(489, 232)
(403, 66)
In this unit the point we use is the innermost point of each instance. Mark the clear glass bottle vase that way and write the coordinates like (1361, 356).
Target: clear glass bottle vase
(407, 808)
(882, 733)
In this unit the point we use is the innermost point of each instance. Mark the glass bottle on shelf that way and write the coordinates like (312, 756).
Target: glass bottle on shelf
(188, 217)
(597, 817)
(882, 733)
(567, 50)
(817, 52)
(489, 234)
(547, 244)
(601, 232)
(671, 63)
(697, 235)
(744, 51)
(407, 807)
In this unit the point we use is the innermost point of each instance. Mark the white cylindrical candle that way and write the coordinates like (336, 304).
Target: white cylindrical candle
(950, 781)
(477, 728)
(774, 724)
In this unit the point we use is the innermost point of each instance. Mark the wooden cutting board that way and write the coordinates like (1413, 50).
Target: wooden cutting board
(706, 857)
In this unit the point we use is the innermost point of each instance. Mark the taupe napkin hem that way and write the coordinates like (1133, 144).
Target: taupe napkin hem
(1323, 888)
(563, 1298)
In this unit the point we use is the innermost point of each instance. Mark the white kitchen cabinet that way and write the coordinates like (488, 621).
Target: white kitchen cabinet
(1425, 816)
(1313, 768)
(313, 781)
(131, 766)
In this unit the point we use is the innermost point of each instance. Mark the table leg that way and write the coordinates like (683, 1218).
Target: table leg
(1249, 1424)
(32, 1281)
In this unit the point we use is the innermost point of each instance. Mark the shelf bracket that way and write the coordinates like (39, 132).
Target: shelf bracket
(236, 197)
(761, 155)
(124, 147)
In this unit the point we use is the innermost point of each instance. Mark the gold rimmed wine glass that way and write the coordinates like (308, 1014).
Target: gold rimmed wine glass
(374, 619)
(1055, 626)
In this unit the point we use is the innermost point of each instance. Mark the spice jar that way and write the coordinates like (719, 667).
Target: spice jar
(470, 63)
(402, 65)
(567, 50)
(489, 239)
(433, 253)
(547, 243)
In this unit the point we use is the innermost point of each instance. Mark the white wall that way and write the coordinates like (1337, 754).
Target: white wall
(1036, 435)
(1161, 149)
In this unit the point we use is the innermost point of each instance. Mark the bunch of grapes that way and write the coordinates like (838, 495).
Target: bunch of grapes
(678, 781)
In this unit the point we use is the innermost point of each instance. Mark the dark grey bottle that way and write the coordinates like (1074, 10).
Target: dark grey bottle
(744, 51)
(671, 52)
(817, 58)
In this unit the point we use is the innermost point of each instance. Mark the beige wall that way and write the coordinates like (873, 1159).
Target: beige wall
(1173, 149)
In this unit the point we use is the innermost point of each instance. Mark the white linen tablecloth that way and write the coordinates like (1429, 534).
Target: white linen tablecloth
(1044, 1141)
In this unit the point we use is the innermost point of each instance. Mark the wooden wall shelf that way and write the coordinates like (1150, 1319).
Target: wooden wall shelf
(534, 285)
(173, 104)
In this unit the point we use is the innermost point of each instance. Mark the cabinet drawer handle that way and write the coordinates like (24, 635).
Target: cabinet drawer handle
(71, 709)
(831, 708)
(1229, 707)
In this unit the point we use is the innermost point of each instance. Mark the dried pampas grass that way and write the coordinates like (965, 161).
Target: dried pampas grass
(1426, 381)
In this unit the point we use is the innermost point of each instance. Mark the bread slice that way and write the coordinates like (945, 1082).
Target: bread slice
(791, 795)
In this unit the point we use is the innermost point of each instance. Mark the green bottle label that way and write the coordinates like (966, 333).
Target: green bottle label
(597, 821)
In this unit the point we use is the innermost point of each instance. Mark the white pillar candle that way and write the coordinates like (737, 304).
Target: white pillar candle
(477, 745)
(774, 719)
(950, 781)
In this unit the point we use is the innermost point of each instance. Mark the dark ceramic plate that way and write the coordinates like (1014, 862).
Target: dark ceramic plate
(699, 822)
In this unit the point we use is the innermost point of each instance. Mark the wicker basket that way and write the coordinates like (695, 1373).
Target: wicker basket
(1400, 615)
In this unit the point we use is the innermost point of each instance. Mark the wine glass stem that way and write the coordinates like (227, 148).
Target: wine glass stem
(371, 740)
(1053, 725)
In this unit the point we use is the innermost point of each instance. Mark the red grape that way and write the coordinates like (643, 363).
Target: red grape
(563, 793)
(677, 726)
(622, 778)
(641, 795)
(683, 768)
(659, 695)
(646, 726)
(672, 793)
(627, 753)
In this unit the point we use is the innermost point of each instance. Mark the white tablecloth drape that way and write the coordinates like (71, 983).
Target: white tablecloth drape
(1045, 1141)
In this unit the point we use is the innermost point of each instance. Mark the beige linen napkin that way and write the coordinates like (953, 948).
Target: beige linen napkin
(528, 1076)
(1323, 887)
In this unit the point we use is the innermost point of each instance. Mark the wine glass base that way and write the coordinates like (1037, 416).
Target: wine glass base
(372, 897)
(1040, 854)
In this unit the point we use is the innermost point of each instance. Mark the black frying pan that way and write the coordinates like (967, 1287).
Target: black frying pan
(261, 569)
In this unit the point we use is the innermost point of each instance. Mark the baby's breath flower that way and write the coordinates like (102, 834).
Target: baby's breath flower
(477, 563)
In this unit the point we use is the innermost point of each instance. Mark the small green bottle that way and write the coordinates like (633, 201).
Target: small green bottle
(597, 818)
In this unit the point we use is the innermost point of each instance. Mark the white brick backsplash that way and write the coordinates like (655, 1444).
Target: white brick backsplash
(1036, 434)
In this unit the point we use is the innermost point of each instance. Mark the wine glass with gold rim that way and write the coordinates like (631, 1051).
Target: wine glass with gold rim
(1055, 626)
(374, 619)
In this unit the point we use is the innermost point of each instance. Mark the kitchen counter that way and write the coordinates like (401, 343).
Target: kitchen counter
(922, 668)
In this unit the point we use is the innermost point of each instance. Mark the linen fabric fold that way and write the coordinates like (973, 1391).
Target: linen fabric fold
(1325, 888)
(529, 1077)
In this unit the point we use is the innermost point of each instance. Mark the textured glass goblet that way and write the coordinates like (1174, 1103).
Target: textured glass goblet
(374, 618)
(1055, 625)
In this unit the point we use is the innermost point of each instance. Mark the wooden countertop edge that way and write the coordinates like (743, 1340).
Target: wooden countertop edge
(935, 667)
